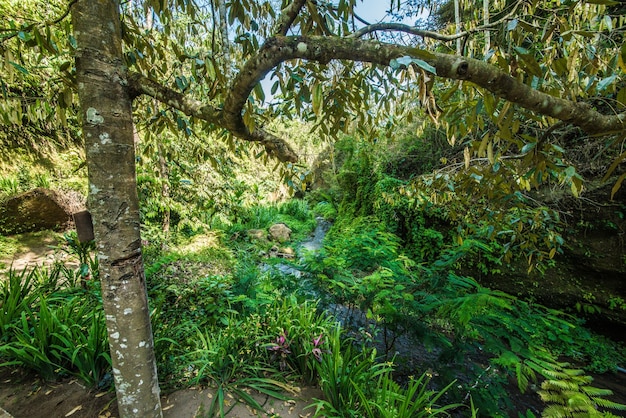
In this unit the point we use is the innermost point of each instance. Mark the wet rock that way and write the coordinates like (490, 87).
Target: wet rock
(39, 209)
(280, 232)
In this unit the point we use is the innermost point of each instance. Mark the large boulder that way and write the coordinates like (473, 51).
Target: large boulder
(280, 232)
(38, 210)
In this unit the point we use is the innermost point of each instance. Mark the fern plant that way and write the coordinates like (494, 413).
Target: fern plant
(568, 393)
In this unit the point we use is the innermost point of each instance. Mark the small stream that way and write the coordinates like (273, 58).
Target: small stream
(310, 245)
(405, 348)
(315, 242)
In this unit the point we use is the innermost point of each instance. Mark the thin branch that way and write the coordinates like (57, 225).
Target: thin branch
(139, 84)
(360, 19)
(287, 17)
(43, 24)
(414, 30)
(64, 15)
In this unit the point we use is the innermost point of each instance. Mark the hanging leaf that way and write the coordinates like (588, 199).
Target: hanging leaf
(318, 98)
(258, 91)
(617, 185)
(528, 147)
(424, 65)
(621, 97)
(605, 82)
(19, 67)
(24, 36)
(72, 41)
(614, 165)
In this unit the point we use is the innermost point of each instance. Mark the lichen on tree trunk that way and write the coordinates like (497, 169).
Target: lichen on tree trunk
(113, 202)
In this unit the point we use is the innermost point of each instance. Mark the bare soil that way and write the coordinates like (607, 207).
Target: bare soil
(35, 249)
(24, 395)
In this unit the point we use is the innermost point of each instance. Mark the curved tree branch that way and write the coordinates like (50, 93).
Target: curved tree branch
(414, 30)
(274, 145)
(287, 17)
(323, 49)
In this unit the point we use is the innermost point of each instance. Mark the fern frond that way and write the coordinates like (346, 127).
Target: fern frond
(577, 401)
(555, 411)
(576, 372)
(553, 374)
(551, 397)
(559, 384)
(522, 377)
(605, 403)
(593, 391)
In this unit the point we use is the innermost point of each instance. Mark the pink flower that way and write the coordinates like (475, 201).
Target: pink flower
(281, 344)
(317, 352)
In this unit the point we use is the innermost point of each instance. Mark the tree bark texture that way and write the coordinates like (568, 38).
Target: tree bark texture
(113, 202)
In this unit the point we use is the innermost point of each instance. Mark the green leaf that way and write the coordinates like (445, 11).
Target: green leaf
(511, 25)
(72, 41)
(19, 67)
(318, 98)
(24, 36)
(603, 2)
(605, 82)
(528, 147)
(424, 65)
(404, 61)
(521, 51)
(181, 82)
(258, 91)
(617, 185)
(621, 97)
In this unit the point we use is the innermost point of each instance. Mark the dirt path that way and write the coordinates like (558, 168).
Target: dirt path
(24, 395)
(35, 249)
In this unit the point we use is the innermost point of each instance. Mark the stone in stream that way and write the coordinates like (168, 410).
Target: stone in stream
(280, 232)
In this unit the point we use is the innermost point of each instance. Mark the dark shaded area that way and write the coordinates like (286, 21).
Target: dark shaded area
(37, 210)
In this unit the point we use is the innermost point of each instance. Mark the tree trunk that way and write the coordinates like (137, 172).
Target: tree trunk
(225, 41)
(457, 22)
(113, 202)
(486, 22)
